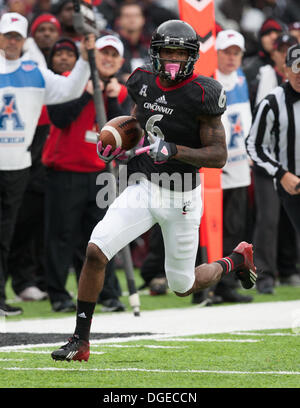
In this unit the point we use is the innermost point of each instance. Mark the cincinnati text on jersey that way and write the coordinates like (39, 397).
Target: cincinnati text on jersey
(155, 107)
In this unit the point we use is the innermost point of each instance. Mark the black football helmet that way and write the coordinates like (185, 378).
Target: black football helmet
(174, 33)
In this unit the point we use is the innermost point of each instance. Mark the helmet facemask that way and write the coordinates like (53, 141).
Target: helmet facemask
(174, 34)
(174, 70)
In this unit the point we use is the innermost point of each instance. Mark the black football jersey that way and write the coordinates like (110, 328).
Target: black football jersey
(172, 114)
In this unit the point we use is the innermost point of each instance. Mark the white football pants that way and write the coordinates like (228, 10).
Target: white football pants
(137, 209)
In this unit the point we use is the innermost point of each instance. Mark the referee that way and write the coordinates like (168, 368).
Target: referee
(274, 139)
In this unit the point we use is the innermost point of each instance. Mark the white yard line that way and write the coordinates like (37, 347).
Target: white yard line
(144, 370)
(140, 346)
(11, 359)
(210, 340)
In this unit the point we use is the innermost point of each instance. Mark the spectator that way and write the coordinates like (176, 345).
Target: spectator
(269, 32)
(130, 24)
(294, 29)
(248, 16)
(107, 9)
(156, 14)
(292, 11)
(71, 187)
(272, 75)
(41, 7)
(63, 56)
(25, 88)
(236, 119)
(242, 10)
(229, 13)
(64, 10)
(17, 6)
(26, 258)
(45, 30)
(279, 257)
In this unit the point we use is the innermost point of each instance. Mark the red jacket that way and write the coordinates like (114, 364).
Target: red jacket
(68, 150)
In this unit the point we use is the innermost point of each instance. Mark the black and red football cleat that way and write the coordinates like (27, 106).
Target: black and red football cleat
(75, 349)
(246, 273)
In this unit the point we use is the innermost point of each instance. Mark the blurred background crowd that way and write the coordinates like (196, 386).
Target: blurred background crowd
(42, 250)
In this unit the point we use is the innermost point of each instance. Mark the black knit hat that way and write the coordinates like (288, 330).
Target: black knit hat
(63, 44)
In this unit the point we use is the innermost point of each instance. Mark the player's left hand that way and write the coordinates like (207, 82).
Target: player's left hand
(107, 154)
(159, 150)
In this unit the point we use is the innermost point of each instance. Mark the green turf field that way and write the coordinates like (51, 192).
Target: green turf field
(252, 359)
(259, 360)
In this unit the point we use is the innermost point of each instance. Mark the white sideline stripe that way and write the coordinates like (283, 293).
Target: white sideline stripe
(175, 322)
(92, 342)
(39, 352)
(92, 351)
(101, 343)
(27, 351)
(154, 370)
(141, 346)
(213, 340)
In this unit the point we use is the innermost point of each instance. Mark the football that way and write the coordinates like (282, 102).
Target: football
(122, 131)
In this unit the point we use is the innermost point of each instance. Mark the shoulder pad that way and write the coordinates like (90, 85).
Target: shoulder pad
(214, 97)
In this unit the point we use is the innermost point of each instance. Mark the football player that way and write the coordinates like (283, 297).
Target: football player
(180, 112)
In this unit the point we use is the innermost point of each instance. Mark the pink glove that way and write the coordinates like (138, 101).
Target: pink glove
(129, 154)
(105, 154)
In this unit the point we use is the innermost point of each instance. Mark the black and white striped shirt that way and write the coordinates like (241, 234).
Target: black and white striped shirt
(274, 139)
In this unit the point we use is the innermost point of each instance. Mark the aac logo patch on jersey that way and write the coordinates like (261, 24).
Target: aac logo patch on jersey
(9, 112)
(28, 66)
(143, 90)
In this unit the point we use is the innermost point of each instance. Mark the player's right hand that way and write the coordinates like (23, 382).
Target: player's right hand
(107, 154)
